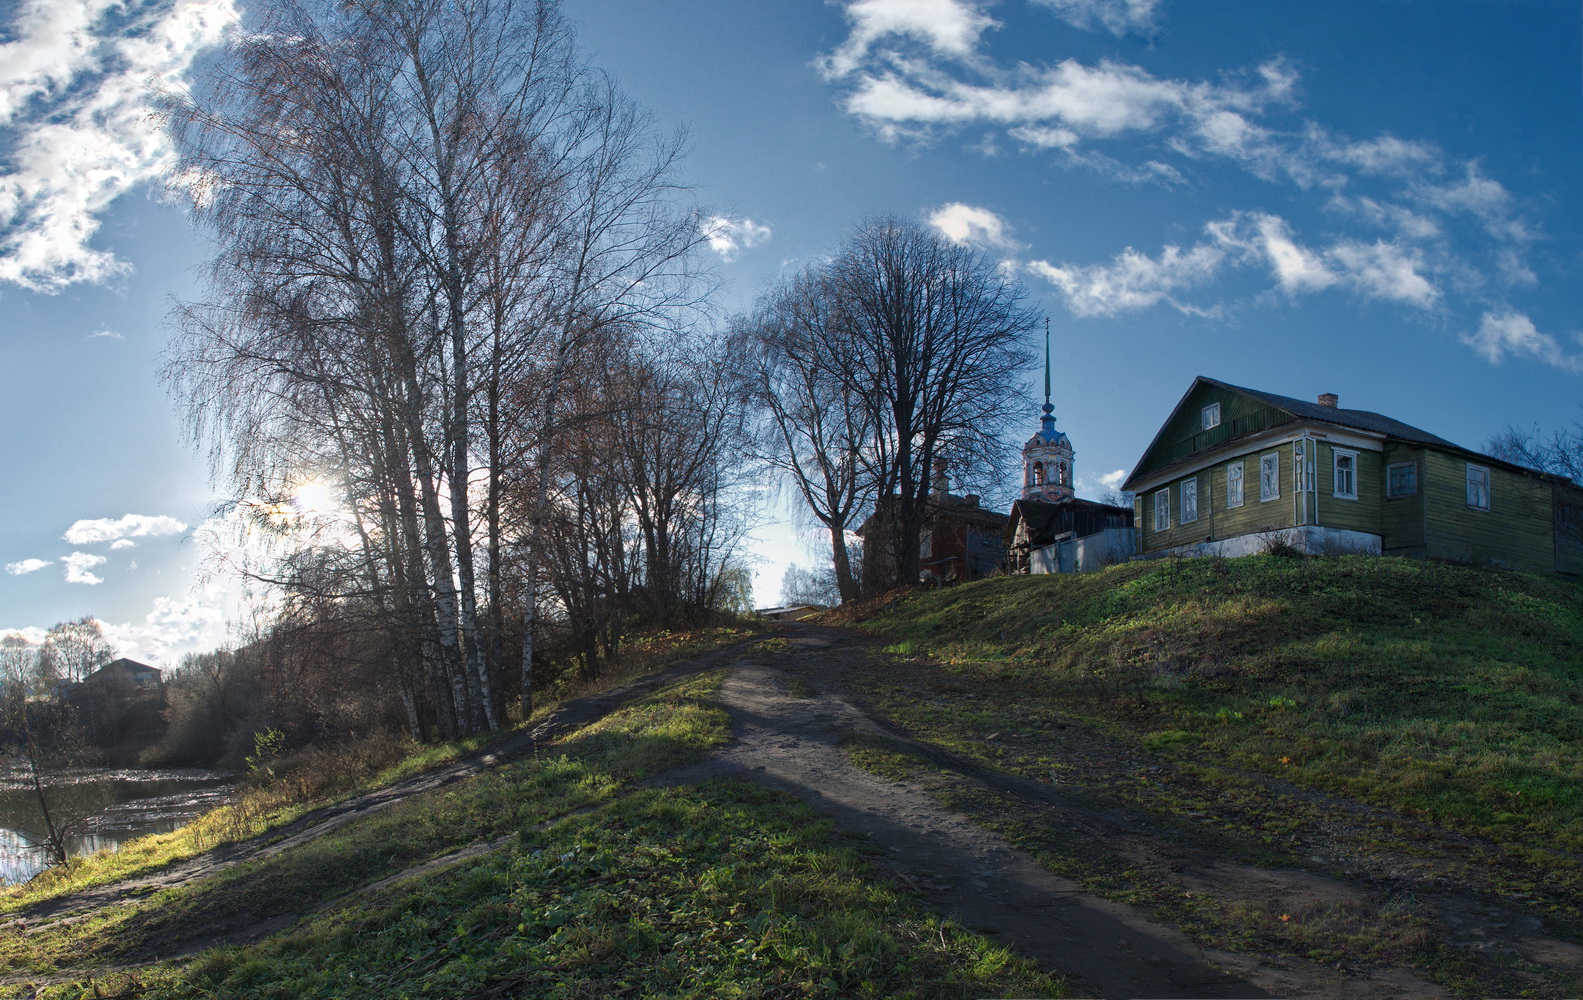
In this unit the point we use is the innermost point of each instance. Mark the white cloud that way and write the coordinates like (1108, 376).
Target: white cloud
(1408, 203)
(729, 237)
(969, 224)
(1133, 280)
(1113, 480)
(77, 566)
(104, 529)
(32, 634)
(76, 95)
(948, 27)
(1512, 333)
(1116, 16)
(106, 334)
(122, 543)
(1482, 197)
(27, 566)
(1382, 270)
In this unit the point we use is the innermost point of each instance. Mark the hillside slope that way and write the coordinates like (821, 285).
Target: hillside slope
(1412, 726)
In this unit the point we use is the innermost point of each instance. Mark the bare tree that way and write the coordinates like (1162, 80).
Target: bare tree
(815, 425)
(416, 207)
(39, 734)
(808, 586)
(925, 335)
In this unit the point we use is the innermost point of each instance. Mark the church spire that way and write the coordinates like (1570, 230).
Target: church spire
(1047, 457)
(1047, 422)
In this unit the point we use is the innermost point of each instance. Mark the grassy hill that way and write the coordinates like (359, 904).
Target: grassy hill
(1453, 694)
(1412, 727)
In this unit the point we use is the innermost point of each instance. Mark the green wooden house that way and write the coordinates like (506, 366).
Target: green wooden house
(1238, 471)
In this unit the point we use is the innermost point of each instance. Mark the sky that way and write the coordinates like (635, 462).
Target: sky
(1377, 199)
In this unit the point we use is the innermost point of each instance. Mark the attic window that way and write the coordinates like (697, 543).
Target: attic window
(1211, 416)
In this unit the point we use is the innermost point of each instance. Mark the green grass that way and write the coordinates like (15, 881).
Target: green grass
(1237, 703)
(598, 886)
(1448, 693)
(320, 776)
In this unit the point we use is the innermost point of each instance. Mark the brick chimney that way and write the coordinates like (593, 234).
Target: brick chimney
(1328, 399)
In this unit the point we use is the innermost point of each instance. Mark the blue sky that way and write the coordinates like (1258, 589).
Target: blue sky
(1376, 199)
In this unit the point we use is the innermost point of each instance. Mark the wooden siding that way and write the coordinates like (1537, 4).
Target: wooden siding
(1402, 518)
(1361, 514)
(1517, 531)
(1239, 415)
(1569, 529)
(1215, 519)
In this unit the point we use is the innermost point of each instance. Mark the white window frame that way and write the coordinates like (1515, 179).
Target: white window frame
(1270, 477)
(1162, 509)
(1336, 457)
(1210, 417)
(1481, 484)
(1235, 497)
(1189, 500)
(1393, 467)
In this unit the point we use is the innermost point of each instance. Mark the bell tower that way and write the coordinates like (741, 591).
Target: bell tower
(1047, 473)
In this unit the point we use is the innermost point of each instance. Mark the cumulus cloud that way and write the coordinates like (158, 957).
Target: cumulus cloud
(104, 529)
(970, 224)
(76, 85)
(33, 635)
(78, 565)
(1132, 280)
(1410, 224)
(1512, 333)
(947, 27)
(27, 566)
(1113, 480)
(1116, 16)
(728, 237)
(122, 543)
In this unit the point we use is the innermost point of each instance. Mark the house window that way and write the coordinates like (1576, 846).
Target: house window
(1401, 479)
(1478, 487)
(1234, 485)
(1190, 500)
(1211, 416)
(1270, 476)
(1162, 510)
(1345, 465)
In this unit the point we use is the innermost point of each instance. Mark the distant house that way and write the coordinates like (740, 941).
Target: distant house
(792, 612)
(960, 540)
(1235, 471)
(140, 675)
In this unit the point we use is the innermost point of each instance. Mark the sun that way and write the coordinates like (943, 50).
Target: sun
(313, 498)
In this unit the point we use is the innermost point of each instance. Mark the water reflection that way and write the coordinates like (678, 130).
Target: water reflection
(107, 806)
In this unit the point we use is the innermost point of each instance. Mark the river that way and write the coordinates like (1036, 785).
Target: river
(115, 805)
